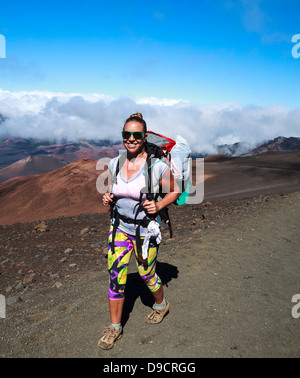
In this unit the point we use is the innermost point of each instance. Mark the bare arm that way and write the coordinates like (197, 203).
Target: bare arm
(108, 197)
(169, 186)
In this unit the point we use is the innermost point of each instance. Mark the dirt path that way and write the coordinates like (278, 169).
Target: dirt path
(230, 290)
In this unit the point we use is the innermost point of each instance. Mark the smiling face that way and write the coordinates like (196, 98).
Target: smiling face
(132, 145)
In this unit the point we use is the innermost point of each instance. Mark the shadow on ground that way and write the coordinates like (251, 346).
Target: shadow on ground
(134, 288)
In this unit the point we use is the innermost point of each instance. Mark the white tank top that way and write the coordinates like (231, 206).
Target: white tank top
(127, 193)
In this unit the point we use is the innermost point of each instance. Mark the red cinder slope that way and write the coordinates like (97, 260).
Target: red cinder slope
(67, 191)
(31, 165)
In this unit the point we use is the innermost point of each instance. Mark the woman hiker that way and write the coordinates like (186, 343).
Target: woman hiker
(131, 231)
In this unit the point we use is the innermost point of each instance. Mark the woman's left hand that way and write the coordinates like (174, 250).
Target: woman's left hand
(151, 207)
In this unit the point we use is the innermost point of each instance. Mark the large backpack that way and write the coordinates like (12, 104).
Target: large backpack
(177, 155)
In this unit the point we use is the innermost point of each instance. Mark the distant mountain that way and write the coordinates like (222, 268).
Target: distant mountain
(71, 189)
(235, 149)
(14, 149)
(242, 149)
(29, 166)
(277, 144)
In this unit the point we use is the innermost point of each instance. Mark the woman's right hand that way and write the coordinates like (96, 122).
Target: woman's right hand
(107, 198)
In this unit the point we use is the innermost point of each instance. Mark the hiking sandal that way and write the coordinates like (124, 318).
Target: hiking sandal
(157, 316)
(110, 336)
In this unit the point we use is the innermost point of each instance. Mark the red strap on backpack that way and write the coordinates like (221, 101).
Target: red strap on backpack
(160, 140)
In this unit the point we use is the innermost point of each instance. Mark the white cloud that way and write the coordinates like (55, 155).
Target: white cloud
(94, 116)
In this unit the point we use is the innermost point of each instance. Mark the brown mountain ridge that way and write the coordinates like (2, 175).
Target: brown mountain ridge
(71, 189)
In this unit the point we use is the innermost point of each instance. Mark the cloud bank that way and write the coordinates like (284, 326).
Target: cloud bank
(59, 116)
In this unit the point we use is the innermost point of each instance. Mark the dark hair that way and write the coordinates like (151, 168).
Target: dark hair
(138, 117)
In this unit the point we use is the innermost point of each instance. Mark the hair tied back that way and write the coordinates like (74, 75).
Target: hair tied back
(139, 115)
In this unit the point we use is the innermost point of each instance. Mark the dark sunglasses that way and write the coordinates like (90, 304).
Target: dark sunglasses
(137, 135)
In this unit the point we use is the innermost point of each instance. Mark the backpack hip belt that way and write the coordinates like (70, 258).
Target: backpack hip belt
(139, 222)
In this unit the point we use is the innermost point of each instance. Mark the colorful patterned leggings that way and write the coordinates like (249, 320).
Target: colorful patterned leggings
(119, 260)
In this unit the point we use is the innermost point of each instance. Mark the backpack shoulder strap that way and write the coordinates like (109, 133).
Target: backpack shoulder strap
(154, 155)
(120, 162)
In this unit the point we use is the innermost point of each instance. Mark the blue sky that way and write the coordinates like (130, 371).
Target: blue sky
(198, 51)
(216, 72)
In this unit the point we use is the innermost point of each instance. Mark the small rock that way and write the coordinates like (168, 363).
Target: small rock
(68, 251)
(63, 260)
(29, 278)
(54, 275)
(41, 227)
(72, 265)
(58, 284)
(8, 289)
(12, 300)
(105, 251)
(20, 286)
(94, 245)
(84, 231)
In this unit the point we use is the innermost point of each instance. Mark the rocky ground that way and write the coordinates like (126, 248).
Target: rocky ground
(229, 271)
(50, 253)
